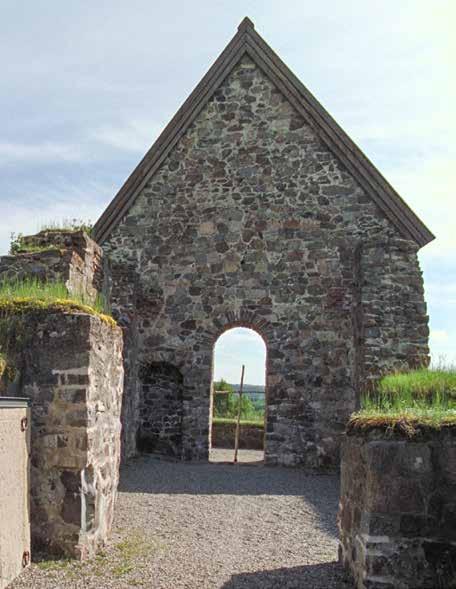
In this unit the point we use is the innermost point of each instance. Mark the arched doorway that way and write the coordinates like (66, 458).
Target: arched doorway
(234, 348)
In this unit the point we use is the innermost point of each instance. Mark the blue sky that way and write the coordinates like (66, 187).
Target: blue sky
(87, 86)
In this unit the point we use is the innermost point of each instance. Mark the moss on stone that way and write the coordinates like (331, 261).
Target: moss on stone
(402, 425)
(26, 305)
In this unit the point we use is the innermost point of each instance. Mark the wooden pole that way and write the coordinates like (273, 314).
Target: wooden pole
(236, 436)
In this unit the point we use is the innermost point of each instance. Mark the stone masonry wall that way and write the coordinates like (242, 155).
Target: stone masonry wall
(70, 256)
(250, 436)
(160, 429)
(70, 366)
(397, 515)
(394, 312)
(251, 221)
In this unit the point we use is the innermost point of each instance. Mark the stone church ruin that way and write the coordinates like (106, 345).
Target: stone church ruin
(253, 208)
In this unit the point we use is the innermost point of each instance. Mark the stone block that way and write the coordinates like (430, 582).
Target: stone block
(405, 536)
(75, 383)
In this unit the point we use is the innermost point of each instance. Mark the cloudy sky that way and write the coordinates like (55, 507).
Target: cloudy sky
(87, 86)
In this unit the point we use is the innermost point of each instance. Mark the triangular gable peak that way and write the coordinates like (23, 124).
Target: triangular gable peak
(247, 40)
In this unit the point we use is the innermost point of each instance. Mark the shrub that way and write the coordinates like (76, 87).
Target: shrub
(227, 404)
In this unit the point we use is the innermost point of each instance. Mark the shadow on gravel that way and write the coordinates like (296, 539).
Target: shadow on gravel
(314, 576)
(148, 474)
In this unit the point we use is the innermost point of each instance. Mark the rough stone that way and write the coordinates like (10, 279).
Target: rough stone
(68, 256)
(250, 436)
(398, 530)
(251, 221)
(71, 368)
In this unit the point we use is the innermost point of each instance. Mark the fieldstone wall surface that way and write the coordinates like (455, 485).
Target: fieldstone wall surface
(69, 256)
(250, 436)
(160, 428)
(397, 515)
(70, 366)
(251, 221)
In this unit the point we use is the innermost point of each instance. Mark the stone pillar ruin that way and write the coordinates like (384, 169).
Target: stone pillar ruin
(71, 370)
(69, 363)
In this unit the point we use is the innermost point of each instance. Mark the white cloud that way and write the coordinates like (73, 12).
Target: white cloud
(55, 202)
(438, 336)
(135, 135)
(39, 152)
(239, 346)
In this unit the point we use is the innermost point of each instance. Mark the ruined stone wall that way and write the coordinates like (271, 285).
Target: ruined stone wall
(394, 321)
(251, 221)
(160, 428)
(70, 366)
(397, 516)
(123, 301)
(68, 256)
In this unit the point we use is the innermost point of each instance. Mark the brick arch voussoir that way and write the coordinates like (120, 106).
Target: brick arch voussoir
(242, 318)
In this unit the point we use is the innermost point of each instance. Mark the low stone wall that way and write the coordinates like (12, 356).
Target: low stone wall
(251, 437)
(70, 366)
(70, 256)
(397, 515)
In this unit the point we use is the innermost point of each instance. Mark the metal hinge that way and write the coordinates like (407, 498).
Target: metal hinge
(24, 424)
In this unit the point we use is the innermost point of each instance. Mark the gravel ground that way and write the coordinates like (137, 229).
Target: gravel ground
(211, 526)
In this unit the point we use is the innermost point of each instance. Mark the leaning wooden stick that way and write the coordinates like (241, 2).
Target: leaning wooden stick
(236, 436)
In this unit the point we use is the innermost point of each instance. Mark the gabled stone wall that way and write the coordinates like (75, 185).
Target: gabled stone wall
(252, 221)
(397, 516)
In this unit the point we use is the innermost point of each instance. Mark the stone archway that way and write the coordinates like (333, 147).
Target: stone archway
(204, 356)
(245, 346)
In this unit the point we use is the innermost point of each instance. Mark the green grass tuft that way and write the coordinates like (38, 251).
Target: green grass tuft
(67, 224)
(29, 295)
(425, 397)
(430, 384)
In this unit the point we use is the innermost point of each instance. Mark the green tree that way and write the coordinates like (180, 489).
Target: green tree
(227, 404)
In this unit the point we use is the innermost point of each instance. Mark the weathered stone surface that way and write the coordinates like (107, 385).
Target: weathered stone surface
(251, 221)
(160, 427)
(71, 368)
(250, 436)
(397, 511)
(71, 256)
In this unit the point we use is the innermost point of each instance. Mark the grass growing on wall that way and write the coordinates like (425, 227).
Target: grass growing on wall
(420, 397)
(66, 224)
(29, 295)
(18, 246)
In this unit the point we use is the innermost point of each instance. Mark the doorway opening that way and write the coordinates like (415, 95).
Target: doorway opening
(230, 405)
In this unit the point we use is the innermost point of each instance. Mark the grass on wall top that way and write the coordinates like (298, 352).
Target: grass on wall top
(407, 401)
(19, 245)
(31, 295)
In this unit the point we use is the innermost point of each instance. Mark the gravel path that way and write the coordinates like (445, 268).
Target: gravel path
(211, 526)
